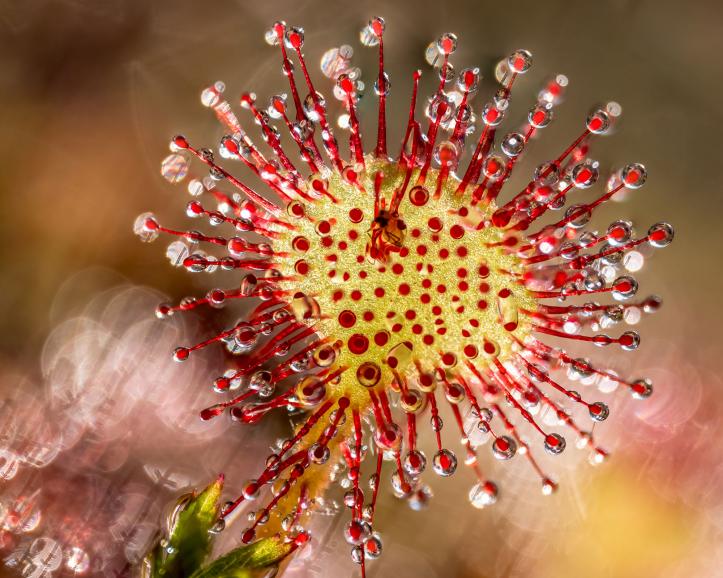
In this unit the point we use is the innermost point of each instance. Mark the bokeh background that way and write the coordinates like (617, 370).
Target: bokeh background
(91, 91)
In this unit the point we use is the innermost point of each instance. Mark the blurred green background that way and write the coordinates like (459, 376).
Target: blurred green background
(91, 91)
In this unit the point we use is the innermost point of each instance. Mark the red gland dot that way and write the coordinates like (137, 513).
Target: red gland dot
(381, 338)
(347, 318)
(356, 215)
(626, 340)
(295, 39)
(379, 292)
(356, 295)
(456, 232)
(419, 196)
(347, 86)
(623, 286)
(180, 141)
(489, 348)
(632, 177)
(237, 245)
(404, 289)
(595, 124)
(301, 267)
(358, 343)
(323, 227)
(368, 316)
(350, 175)
(552, 440)
(435, 224)
(448, 44)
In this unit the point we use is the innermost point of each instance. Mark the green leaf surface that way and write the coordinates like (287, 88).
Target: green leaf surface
(252, 561)
(187, 542)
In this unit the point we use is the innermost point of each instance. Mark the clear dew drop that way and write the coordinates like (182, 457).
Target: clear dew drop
(444, 463)
(367, 37)
(174, 168)
(599, 411)
(420, 498)
(373, 546)
(504, 448)
(554, 443)
(176, 252)
(77, 560)
(218, 527)
(482, 495)
(415, 462)
(146, 227)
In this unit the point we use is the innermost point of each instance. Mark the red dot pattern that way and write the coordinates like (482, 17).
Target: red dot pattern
(437, 243)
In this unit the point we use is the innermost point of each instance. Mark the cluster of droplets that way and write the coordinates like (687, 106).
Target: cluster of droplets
(346, 391)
